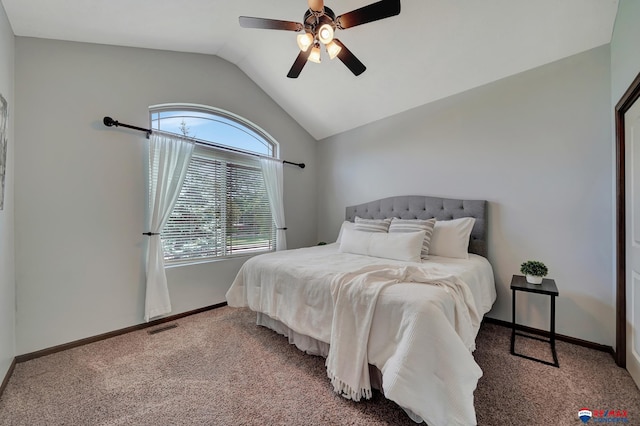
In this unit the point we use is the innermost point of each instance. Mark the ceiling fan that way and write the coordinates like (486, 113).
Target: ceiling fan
(320, 24)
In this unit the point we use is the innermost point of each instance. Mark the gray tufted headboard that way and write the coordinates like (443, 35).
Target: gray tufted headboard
(422, 207)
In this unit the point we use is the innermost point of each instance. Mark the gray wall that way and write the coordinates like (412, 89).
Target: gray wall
(7, 272)
(625, 56)
(537, 146)
(80, 187)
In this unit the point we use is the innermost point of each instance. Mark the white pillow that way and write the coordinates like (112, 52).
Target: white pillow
(345, 225)
(413, 225)
(400, 246)
(372, 225)
(451, 238)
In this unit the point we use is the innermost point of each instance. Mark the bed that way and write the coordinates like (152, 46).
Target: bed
(418, 316)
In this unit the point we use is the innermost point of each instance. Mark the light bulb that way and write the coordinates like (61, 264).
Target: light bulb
(304, 41)
(325, 34)
(333, 49)
(314, 56)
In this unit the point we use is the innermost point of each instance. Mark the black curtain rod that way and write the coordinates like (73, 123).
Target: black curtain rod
(110, 122)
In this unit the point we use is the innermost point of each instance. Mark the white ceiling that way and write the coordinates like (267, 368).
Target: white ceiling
(433, 49)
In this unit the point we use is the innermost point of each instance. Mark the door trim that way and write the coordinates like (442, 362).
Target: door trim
(626, 101)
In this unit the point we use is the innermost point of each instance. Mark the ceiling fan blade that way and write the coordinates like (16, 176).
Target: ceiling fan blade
(373, 12)
(269, 24)
(349, 59)
(299, 63)
(316, 5)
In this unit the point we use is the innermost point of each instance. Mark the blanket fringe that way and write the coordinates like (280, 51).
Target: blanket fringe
(347, 391)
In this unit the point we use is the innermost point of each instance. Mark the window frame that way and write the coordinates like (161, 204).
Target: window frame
(230, 154)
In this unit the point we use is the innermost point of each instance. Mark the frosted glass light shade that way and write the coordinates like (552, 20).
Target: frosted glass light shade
(325, 34)
(305, 41)
(333, 49)
(314, 56)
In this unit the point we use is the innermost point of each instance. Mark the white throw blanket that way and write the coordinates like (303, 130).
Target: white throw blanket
(355, 295)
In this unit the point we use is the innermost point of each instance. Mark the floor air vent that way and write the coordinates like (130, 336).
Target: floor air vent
(160, 329)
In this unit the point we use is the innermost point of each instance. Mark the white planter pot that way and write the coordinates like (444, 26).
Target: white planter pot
(532, 279)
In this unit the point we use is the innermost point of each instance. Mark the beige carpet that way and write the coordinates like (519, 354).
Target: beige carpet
(219, 368)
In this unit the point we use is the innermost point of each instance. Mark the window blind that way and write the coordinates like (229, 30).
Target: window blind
(222, 209)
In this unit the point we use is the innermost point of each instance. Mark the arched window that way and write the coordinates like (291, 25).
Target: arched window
(223, 209)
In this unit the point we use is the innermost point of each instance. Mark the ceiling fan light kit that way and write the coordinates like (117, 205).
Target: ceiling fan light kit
(320, 24)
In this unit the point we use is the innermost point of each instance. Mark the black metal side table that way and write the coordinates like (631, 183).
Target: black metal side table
(548, 287)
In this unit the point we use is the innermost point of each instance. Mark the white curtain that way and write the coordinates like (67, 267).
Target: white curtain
(169, 156)
(272, 172)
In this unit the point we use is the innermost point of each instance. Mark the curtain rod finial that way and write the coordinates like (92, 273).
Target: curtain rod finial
(108, 121)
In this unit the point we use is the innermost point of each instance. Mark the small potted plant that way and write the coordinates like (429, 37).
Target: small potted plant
(534, 271)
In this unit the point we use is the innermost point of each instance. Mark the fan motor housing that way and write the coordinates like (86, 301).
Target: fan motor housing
(312, 23)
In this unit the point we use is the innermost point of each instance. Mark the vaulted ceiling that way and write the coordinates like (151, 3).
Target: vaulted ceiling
(433, 49)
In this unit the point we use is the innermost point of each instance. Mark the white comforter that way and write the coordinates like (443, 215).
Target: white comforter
(415, 338)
